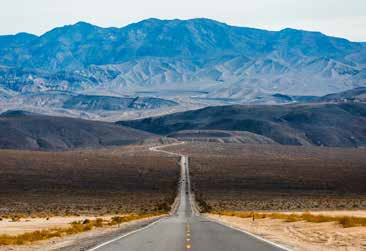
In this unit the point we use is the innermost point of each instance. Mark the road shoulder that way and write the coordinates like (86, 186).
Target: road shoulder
(299, 235)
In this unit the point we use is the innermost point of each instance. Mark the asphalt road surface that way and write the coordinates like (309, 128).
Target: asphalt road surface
(186, 230)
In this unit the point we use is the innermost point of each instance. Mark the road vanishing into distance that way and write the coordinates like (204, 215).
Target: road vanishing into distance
(185, 229)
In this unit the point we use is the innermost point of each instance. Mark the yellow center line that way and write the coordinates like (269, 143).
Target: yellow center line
(188, 245)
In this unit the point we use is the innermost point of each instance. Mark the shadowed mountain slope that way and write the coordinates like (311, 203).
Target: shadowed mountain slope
(341, 125)
(22, 130)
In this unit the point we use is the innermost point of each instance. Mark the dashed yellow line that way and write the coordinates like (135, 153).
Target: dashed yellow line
(188, 245)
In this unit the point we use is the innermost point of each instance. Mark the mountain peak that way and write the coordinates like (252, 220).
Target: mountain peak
(25, 35)
(178, 21)
(79, 27)
(83, 24)
(292, 31)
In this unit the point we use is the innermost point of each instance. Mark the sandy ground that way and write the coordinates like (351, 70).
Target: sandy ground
(304, 235)
(78, 241)
(7, 226)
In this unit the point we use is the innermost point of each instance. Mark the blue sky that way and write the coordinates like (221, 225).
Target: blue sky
(342, 18)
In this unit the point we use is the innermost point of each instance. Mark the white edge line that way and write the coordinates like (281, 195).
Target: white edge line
(125, 235)
(212, 220)
(155, 149)
(250, 234)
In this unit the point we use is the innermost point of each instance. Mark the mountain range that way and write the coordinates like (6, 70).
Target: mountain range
(335, 124)
(195, 63)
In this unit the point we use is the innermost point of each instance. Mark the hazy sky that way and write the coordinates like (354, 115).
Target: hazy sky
(343, 18)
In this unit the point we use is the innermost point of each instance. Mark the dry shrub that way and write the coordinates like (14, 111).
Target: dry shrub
(202, 204)
(120, 219)
(345, 221)
(99, 222)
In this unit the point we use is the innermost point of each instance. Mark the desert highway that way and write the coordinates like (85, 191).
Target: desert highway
(185, 229)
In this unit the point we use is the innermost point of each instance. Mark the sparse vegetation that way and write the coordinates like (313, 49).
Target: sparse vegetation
(202, 204)
(237, 177)
(345, 221)
(75, 227)
(96, 182)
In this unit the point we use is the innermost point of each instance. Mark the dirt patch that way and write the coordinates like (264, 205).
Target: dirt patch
(85, 240)
(26, 225)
